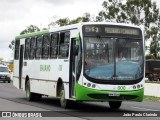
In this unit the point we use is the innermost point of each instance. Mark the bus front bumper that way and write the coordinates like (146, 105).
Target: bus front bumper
(87, 94)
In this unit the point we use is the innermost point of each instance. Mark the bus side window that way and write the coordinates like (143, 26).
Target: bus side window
(39, 47)
(27, 48)
(45, 48)
(17, 44)
(64, 44)
(32, 47)
(54, 45)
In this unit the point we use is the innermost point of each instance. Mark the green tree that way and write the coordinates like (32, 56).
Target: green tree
(11, 45)
(113, 11)
(66, 21)
(30, 29)
(138, 12)
(1, 61)
(63, 21)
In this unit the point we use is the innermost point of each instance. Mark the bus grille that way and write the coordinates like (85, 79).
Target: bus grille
(105, 96)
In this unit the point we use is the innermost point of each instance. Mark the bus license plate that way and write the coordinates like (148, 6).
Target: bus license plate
(114, 94)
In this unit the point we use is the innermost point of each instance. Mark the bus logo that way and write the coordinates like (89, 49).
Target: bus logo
(45, 68)
(121, 88)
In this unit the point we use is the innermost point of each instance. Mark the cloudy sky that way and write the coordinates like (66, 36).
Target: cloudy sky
(16, 15)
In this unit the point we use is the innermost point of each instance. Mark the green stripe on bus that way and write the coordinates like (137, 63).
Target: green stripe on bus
(32, 34)
(83, 92)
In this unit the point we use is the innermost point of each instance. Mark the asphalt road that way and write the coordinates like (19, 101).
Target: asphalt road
(12, 99)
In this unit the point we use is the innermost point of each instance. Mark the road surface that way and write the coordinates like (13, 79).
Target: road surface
(12, 99)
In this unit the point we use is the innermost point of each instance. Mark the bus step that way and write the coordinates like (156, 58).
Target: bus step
(72, 99)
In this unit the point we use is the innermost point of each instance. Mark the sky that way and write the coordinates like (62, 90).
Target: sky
(16, 15)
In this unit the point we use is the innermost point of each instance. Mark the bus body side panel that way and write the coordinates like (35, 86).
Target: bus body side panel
(38, 73)
(53, 76)
(16, 74)
(63, 74)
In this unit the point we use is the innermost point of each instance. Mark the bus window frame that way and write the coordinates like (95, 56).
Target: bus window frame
(26, 58)
(48, 47)
(63, 42)
(16, 52)
(40, 55)
(32, 47)
(54, 45)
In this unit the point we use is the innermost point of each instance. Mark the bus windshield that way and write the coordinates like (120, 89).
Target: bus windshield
(113, 58)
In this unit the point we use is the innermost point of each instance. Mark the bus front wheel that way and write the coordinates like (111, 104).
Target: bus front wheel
(63, 102)
(115, 104)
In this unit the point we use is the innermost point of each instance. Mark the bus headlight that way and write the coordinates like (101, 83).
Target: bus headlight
(134, 87)
(89, 85)
(138, 86)
(93, 86)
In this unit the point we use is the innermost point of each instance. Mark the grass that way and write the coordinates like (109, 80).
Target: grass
(154, 82)
(152, 98)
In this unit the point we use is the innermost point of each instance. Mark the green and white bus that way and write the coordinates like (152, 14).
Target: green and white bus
(80, 62)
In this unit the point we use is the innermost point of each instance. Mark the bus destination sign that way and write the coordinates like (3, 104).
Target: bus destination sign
(127, 31)
(103, 30)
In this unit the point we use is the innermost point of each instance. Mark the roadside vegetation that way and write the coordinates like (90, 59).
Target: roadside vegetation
(154, 82)
(152, 98)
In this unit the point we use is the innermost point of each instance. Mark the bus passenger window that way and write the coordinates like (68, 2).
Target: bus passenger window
(45, 48)
(64, 44)
(32, 47)
(27, 48)
(54, 46)
(16, 57)
(39, 47)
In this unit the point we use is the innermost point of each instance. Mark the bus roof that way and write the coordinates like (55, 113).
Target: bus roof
(32, 34)
(73, 26)
(79, 25)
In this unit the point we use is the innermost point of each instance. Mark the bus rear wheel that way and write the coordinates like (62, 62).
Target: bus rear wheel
(115, 104)
(30, 95)
(63, 102)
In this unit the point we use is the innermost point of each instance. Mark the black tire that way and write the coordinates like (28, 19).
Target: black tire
(38, 97)
(9, 81)
(115, 104)
(63, 102)
(4, 81)
(29, 95)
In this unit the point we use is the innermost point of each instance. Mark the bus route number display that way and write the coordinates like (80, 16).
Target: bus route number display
(92, 29)
(127, 31)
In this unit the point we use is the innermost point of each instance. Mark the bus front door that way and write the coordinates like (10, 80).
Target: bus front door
(72, 78)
